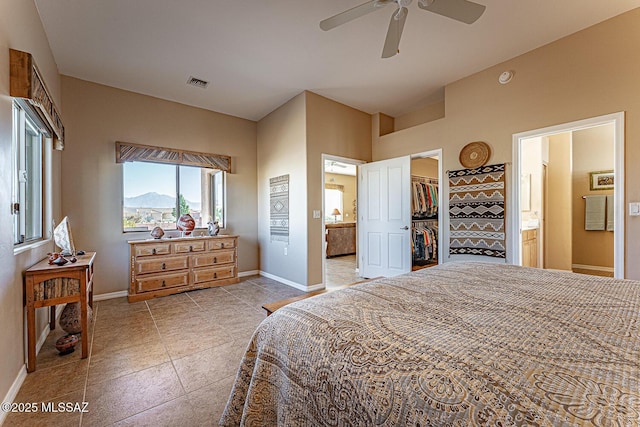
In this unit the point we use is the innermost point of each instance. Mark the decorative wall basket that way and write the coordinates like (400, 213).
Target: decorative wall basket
(475, 154)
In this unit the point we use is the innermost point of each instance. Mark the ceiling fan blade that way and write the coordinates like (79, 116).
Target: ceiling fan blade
(396, 25)
(349, 15)
(460, 10)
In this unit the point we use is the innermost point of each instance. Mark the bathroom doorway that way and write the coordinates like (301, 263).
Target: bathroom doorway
(570, 205)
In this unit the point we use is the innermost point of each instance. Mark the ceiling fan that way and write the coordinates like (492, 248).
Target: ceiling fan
(460, 10)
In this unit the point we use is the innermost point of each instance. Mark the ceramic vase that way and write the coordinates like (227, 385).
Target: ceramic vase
(157, 233)
(186, 224)
(70, 318)
(66, 344)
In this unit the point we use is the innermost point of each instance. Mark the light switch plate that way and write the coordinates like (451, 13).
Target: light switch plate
(634, 209)
(316, 214)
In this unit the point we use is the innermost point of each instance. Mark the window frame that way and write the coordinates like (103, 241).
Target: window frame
(24, 117)
(327, 214)
(210, 200)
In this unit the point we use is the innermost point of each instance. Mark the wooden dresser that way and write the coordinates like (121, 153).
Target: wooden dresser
(341, 238)
(162, 267)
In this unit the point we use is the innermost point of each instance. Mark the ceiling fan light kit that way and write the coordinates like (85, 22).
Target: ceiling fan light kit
(459, 10)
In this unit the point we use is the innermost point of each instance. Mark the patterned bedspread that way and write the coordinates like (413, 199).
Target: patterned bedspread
(458, 344)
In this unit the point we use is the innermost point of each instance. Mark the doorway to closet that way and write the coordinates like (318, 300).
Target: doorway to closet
(394, 226)
(425, 202)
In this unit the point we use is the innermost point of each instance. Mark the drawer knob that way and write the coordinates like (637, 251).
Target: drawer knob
(153, 251)
(190, 248)
(163, 284)
(215, 275)
(215, 260)
(222, 245)
(164, 266)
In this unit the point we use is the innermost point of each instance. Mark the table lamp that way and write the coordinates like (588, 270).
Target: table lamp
(335, 214)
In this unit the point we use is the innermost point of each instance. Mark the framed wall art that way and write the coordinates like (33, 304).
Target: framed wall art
(602, 180)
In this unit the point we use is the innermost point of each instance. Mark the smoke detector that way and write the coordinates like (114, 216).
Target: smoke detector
(505, 77)
(194, 81)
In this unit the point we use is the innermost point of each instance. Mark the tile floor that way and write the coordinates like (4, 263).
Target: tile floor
(163, 362)
(340, 270)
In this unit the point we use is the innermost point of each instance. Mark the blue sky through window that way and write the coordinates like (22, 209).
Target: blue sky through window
(144, 178)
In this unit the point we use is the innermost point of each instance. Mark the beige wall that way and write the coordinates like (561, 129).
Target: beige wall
(426, 114)
(424, 167)
(558, 216)
(587, 74)
(592, 151)
(96, 117)
(282, 151)
(21, 29)
(291, 140)
(339, 130)
(349, 195)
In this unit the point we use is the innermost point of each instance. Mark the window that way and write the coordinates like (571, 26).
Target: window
(332, 200)
(156, 194)
(27, 188)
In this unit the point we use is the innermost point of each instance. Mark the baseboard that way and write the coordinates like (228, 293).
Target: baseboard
(45, 333)
(110, 295)
(293, 284)
(13, 390)
(249, 273)
(593, 267)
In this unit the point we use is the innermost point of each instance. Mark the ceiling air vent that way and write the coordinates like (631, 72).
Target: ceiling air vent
(194, 81)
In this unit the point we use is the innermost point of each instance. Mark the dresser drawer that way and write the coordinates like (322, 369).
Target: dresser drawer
(214, 258)
(164, 281)
(222, 243)
(153, 249)
(187, 247)
(211, 274)
(158, 265)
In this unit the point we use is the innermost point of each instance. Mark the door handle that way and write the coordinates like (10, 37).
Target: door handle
(404, 228)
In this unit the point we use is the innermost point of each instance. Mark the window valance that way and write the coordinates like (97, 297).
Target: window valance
(128, 152)
(334, 187)
(27, 83)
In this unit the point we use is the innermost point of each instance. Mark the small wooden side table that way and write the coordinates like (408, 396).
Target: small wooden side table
(48, 285)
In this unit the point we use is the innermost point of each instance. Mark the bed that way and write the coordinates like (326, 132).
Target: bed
(458, 344)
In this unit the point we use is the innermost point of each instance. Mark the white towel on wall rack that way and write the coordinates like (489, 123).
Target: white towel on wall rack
(594, 212)
(610, 215)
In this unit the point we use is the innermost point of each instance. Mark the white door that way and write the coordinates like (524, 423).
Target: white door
(384, 191)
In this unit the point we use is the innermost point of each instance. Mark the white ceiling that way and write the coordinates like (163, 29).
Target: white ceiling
(259, 54)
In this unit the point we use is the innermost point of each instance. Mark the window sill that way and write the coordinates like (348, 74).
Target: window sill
(29, 246)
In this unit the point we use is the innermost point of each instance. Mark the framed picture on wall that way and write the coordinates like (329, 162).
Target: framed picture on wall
(602, 180)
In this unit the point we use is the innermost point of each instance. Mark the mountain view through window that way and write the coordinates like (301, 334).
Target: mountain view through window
(156, 195)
